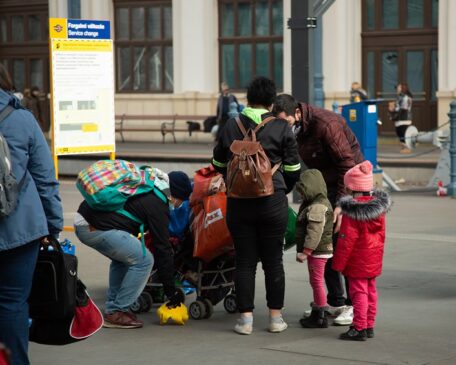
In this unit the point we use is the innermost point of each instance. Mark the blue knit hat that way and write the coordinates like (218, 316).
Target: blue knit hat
(179, 185)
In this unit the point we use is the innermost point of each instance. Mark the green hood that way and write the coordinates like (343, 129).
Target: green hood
(254, 114)
(311, 186)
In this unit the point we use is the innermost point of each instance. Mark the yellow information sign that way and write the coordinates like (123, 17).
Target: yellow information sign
(82, 74)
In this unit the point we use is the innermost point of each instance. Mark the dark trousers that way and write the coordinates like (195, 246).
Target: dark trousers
(16, 274)
(400, 132)
(258, 228)
(333, 280)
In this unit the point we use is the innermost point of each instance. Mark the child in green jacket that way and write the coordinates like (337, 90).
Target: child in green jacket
(314, 229)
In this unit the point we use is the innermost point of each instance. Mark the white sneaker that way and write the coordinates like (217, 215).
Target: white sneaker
(332, 311)
(277, 325)
(243, 328)
(345, 318)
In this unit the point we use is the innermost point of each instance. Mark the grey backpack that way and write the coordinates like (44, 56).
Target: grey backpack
(9, 188)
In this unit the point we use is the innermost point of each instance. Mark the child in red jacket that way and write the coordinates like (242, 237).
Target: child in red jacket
(360, 245)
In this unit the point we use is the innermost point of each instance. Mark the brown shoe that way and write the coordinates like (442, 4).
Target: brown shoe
(405, 151)
(120, 319)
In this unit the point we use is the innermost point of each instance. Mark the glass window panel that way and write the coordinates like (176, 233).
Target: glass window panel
(434, 73)
(169, 82)
(415, 14)
(278, 65)
(245, 19)
(435, 13)
(245, 64)
(123, 68)
(36, 73)
(262, 59)
(228, 64)
(154, 23)
(390, 14)
(262, 18)
(227, 20)
(3, 35)
(370, 5)
(34, 27)
(74, 9)
(19, 75)
(277, 18)
(122, 23)
(371, 75)
(389, 72)
(137, 23)
(155, 69)
(168, 22)
(139, 68)
(17, 28)
(415, 71)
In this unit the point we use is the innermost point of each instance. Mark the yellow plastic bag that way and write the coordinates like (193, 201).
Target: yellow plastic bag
(178, 314)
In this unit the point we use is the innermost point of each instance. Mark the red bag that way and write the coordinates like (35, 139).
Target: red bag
(207, 181)
(5, 358)
(211, 234)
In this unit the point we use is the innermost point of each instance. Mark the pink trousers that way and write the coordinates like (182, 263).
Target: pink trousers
(316, 267)
(363, 294)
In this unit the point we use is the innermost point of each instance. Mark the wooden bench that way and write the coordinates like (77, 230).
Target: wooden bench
(168, 127)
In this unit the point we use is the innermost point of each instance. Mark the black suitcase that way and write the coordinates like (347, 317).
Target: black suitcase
(53, 294)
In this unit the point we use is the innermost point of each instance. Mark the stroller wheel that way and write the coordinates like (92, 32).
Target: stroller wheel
(137, 305)
(197, 310)
(209, 308)
(230, 303)
(147, 301)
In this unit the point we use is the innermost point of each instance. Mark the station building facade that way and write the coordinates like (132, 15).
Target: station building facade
(171, 55)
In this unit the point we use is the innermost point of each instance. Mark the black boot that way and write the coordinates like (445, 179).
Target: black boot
(354, 335)
(370, 332)
(317, 319)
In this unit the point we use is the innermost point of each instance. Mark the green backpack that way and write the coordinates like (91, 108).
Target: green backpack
(106, 185)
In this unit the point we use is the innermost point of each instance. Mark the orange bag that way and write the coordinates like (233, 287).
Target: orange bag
(207, 181)
(211, 234)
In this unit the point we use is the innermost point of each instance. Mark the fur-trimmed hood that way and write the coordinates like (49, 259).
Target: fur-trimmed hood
(366, 208)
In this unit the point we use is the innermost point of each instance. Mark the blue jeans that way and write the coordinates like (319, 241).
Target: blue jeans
(16, 275)
(129, 270)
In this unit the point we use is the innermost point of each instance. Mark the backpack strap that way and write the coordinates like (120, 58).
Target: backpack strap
(267, 120)
(5, 112)
(241, 127)
(141, 227)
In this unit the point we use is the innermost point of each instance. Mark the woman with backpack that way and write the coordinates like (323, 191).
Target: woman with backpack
(37, 216)
(115, 236)
(258, 223)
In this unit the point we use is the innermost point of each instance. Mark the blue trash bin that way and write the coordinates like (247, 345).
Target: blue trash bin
(362, 119)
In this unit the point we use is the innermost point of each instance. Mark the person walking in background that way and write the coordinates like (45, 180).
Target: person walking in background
(361, 243)
(31, 102)
(258, 225)
(37, 216)
(224, 102)
(325, 143)
(400, 113)
(314, 228)
(357, 93)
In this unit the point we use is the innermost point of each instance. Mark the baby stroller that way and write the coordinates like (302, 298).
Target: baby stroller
(212, 282)
(204, 255)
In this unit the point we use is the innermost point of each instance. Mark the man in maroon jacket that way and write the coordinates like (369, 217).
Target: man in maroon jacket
(325, 143)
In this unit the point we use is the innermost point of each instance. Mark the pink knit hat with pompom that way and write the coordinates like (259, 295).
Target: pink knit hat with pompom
(360, 177)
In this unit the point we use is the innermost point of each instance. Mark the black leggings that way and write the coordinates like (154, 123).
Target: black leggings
(258, 228)
(400, 132)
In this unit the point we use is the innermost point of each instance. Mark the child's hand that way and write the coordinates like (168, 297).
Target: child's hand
(301, 257)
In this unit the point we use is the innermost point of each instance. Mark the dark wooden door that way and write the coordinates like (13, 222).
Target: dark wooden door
(399, 44)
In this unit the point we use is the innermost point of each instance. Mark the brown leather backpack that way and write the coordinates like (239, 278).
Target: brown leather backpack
(249, 169)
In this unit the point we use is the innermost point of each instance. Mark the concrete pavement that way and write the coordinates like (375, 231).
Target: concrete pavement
(416, 321)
